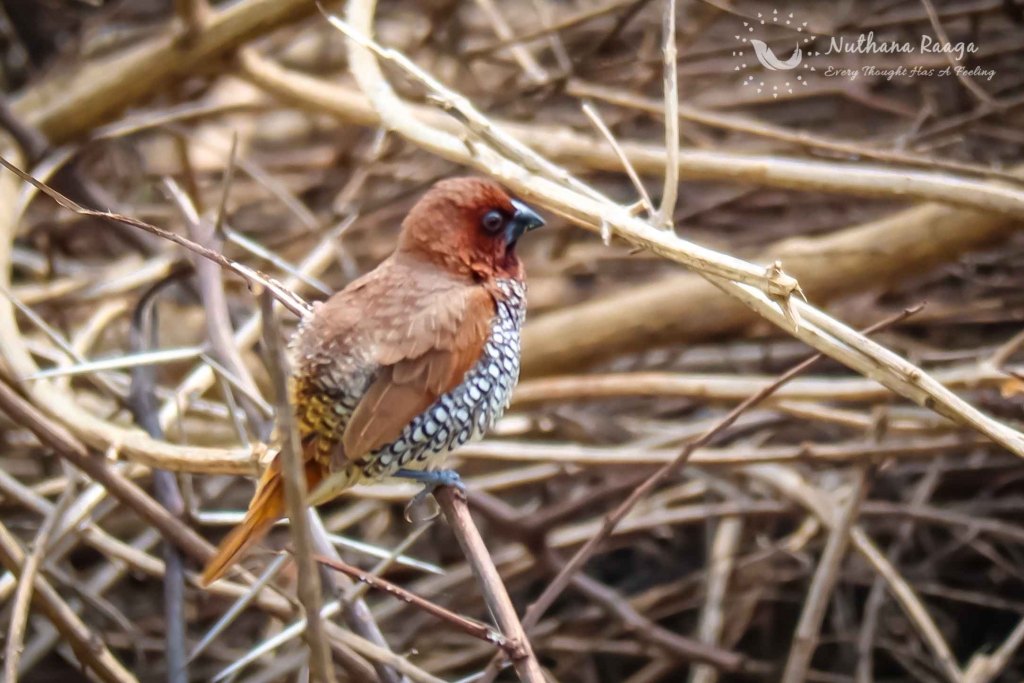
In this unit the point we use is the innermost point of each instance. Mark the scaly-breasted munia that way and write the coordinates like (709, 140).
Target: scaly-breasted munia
(408, 362)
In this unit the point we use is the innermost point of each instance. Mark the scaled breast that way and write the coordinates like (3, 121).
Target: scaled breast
(469, 410)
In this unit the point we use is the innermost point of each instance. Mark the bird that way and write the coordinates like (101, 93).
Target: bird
(408, 362)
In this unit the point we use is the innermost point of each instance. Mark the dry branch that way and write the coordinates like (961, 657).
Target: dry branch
(473, 628)
(575, 150)
(296, 493)
(453, 503)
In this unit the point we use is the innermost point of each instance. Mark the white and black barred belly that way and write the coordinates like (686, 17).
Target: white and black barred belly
(469, 410)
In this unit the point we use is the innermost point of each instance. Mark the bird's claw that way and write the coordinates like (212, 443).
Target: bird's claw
(431, 480)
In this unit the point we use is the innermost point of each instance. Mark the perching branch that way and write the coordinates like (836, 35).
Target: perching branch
(453, 503)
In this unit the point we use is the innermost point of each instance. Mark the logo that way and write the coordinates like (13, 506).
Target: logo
(775, 27)
(770, 61)
(766, 71)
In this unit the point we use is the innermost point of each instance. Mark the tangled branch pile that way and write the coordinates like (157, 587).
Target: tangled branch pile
(658, 503)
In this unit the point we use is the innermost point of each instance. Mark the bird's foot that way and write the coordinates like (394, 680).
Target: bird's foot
(431, 479)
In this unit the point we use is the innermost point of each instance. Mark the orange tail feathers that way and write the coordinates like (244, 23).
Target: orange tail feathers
(266, 508)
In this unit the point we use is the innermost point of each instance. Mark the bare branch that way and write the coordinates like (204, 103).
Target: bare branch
(668, 196)
(453, 503)
(296, 492)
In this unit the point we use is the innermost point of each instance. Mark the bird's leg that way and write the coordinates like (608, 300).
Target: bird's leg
(431, 479)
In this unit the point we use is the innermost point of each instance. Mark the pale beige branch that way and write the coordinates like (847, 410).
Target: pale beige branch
(671, 77)
(575, 150)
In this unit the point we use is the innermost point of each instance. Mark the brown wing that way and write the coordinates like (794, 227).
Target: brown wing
(441, 343)
(388, 345)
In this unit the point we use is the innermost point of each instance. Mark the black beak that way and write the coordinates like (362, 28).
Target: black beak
(524, 220)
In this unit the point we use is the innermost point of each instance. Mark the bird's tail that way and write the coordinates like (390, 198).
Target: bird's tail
(266, 508)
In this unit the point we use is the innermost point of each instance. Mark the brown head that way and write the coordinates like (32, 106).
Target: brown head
(470, 227)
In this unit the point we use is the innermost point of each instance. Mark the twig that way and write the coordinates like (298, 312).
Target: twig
(595, 118)
(469, 626)
(667, 210)
(684, 649)
(143, 405)
(215, 302)
(453, 503)
(26, 581)
(805, 640)
(983, 668)
(726, 387)
(968, 82)
(194, 15)
(136, 360)
(239, 606)
(533, 70)
(924, 489)
(296, 492)
(720, 566)
(355, 610)
(88, 648)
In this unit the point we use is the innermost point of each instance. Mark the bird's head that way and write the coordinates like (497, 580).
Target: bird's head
(469, 226)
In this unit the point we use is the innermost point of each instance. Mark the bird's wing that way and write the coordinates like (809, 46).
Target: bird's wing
(424, 355)
(389, 345)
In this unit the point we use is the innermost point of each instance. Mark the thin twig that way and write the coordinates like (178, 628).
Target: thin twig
(533, 70)
(144, 407)
(355, 610)
(805, 640)
(215, 303)
(469, 626)
(239, 606)
(26, 581)
(667, 210)
(194, 14)
(595, 118)
(296, 492)
(453, 503)
(720, 566)
(968, 82)
(923, 490)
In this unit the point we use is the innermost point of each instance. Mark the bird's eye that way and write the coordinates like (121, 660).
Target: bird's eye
(493, 221)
